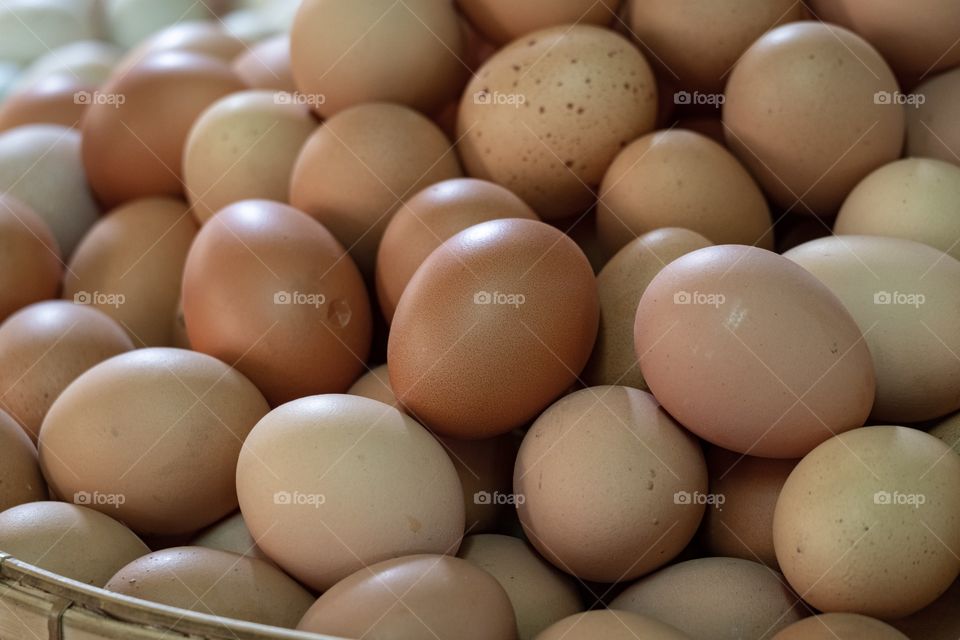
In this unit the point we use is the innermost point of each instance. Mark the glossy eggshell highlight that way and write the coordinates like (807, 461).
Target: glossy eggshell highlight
(600, 473)
(504, 20)
(356, 170)
(802, 113)
(547, 114)
(130, 266)
(271, 291)
(415, 597)
(266, 65)
(30, 265)
(133, 147)
(156, 434)
(69, 540)
(230, 534)
(45, 347)
(734, 316)
(20, 478)
(840, 626)
(214, 582)
(332, 483)
(429, 218)
(610, 625)
(869, 522)
(514, 300)
(933, 128)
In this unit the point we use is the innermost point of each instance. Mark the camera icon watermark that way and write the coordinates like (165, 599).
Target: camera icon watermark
(698, 98)
(305, 99)
(899, 298)
(498, 498)
(315, 300)
(896, 97)
(295, 498)
(707, 499)
(514, 300)
(95, 97)
(485, 97)
(699, 298)
(914, 500)
(98, 299)
(97, 499)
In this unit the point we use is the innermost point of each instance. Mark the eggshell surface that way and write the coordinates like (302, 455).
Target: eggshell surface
(30, 265)
(611, 625)
(839, 626)
(20, 478)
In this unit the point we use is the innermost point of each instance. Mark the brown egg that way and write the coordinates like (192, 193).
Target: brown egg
(430, 218)
(415, 597)
(540, 594)
(230, 534)
(56, 99)
(204, 37)
(244, 147)
(739, 521)
(377, 51)
(904, 298)
(679, 178)
(152, 436)
(933, 126)
(810, 110)
(621, 284)
(517, 300)
(841, 626)
(504, 20)
(485, 468)
(751, 353)
(723, 599)
(179, 339)
(610, 625)
(44, 347)
(547, 114)
(869, 522)
(332, 483)
(696, 45)
(270, 291)
(266, 65)
(20, 477)
(30, 265)
(375, 384)
(130, 266)
(215, 582)
(913, 198)
(607, 484)
(938, 621)
(69, 540)
(357, 169)
(133, 137)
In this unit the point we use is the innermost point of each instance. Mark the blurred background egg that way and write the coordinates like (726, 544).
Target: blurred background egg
(504, 20)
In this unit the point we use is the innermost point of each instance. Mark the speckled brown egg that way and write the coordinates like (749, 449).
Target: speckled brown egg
(133, 137)
(610, 625)
(429, 218)
(217, 583)
(933, 127)
(153, 437)
(752, 353)
(810, 110)
(840, 626)
(44, 347)
(51, 100)
(517, 300)
(30, 266)
(869, 522)
(266, 65)
(547, 114)
(415, 597)
(504, 20)
(230, 534)
(20, 477)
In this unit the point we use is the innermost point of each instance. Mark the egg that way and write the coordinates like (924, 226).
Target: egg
(271, 291)
(69, 540)
(620, 285)
(937, 621)
(933, 130)
(839, 626)
(133, 147)
(948, 430)
(429, 218)
(547, 114)
(734, 317)
(355, 171)
(375, 51)
(30, 266)
(88, 62)
(31, 28)
(266, 65)
(606, 483)
(869, 522)
(192, 36)
(41, 166)
(540, 594)
(152, 436)
(243, 147)
(811, 109)
(610, 625)
(505, 20)
(131, 21)
(415, 597)
(332, 483)
(55, 100)
(375, 384)
(20, 478)
(723, 599)
(214, 582)
(230, 534)
(485, 469)
(46, 346)
(516, 300)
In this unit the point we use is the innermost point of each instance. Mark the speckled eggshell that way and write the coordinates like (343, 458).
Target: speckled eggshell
(540, 594)
(752, 353)
(869, 522)
(414, 597)
(802, 113)
(69, 540)
(44, 347)
(937, 621)
(610, 625)
(356, 170)
(30, 266)
(429, 218)
(214, 582)
(50, 100)
(266, 65)
(269, 290)
(723, 599)
(933, 128)
(20, 477)
(153, 437)
(679, 178)
(841, 626)
(230, 534)
(547, 114)
(504, 20)
(517, 300)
